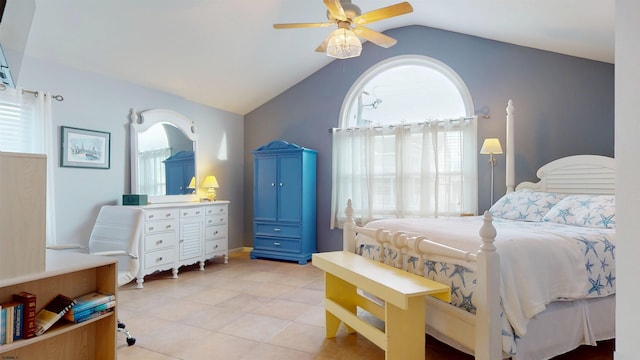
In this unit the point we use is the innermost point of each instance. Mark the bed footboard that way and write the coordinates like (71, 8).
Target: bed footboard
(487, 329)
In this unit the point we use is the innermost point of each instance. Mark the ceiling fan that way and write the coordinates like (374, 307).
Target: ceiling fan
(343, 42)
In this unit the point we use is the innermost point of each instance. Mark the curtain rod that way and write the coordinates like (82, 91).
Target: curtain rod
(35, 93)
(420, 123)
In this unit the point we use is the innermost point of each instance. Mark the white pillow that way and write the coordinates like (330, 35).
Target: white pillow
(596, 211)
(525, 205)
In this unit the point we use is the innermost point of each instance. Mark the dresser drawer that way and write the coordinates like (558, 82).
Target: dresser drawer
(215, 209)
(212, 246)
(217, 219)
(153, 227)
(292, 231)
(191, 212)
(215, 232)
(283, 245)
(158, 258)
(159, 241)
(162, 214)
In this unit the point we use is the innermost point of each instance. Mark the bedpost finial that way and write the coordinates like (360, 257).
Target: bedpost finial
(487, 232)
(348, 211)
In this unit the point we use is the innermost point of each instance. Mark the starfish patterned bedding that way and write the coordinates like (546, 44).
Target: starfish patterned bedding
(552, 248)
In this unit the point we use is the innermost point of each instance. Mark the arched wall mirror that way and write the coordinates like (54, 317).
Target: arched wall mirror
(163, 156)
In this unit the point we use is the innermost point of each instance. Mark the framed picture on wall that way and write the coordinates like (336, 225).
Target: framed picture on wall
(85, 148)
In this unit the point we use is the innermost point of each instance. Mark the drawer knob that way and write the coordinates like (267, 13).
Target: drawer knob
(168, 226)
(159, 242)
(276, 229)
(281, 184)
(221, 219)
(151, 216)
(276, 243)
(216, 232)
(198, 212)
(150, 228)
(160, 258)
(221, 210)
(168, 215)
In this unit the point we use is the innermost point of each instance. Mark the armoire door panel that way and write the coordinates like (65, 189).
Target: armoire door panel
(266, 189)
(290, 188)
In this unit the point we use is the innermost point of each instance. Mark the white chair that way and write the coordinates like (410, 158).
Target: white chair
(116, 232)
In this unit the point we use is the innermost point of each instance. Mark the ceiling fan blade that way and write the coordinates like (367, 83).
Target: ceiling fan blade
(302, 25)
(375, 37)
(384, 13)
(335, 9)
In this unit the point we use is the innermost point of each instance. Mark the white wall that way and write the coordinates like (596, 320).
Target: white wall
(627, 151)
(95, 102)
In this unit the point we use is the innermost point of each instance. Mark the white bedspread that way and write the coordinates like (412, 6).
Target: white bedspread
(540, 262)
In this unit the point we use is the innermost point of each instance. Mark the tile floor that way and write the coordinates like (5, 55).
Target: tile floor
(249, 309)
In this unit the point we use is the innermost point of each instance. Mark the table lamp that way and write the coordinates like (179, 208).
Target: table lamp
(211, 183)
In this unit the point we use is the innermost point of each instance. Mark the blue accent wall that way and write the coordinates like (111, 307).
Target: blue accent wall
(564, 106)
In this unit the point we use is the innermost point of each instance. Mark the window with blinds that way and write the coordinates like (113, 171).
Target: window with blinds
(20, 131)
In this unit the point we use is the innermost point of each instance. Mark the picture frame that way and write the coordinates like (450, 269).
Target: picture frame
(83, 148)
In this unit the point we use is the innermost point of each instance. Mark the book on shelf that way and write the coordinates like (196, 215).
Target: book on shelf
(52, 312)
(74, 316)
(11, 321)
(89, 316)
(28, 300)
(3, 326)
(90, 300)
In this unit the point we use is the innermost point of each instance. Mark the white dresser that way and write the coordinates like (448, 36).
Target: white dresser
(177, 234)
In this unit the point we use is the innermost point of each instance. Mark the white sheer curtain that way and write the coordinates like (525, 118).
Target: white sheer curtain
(151, 171)
(406, 170)
(26, 126)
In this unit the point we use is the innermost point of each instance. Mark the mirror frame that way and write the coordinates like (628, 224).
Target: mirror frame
(144, 120)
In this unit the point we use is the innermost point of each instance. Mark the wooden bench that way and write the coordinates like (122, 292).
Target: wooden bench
(403, 311)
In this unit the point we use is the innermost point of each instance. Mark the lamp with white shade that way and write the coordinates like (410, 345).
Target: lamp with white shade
(491, 146)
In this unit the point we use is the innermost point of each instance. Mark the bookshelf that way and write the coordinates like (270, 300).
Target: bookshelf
(71, 274)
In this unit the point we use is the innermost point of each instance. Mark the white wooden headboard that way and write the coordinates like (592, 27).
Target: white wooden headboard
(579, 174)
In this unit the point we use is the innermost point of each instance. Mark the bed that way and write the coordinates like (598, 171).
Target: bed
(532, 278)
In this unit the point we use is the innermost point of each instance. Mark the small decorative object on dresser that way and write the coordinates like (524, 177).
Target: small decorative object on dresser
(284, 202)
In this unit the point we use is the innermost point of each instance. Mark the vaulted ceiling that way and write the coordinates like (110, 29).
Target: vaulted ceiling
(225, 53)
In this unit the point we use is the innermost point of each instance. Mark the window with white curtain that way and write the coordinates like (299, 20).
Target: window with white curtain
(26, 126)
(406, 144)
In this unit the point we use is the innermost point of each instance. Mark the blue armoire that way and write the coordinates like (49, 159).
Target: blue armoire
(284, 202)
(179, 169)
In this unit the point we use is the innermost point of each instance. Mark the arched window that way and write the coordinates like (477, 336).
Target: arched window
(406, 144)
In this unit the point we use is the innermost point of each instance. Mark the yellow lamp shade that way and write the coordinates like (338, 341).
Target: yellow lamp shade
(211, 183)
(491, 146)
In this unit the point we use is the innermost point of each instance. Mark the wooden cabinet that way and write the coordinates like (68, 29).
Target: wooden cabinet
(284, 202)
(71, 274)
(178, 234)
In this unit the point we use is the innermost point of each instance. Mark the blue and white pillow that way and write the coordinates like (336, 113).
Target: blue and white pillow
(525, 205)
(596, 211)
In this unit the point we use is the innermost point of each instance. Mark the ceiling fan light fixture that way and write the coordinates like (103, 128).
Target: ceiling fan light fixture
(343, 44)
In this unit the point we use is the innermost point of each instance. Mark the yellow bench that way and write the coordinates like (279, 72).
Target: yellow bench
(403, 294)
